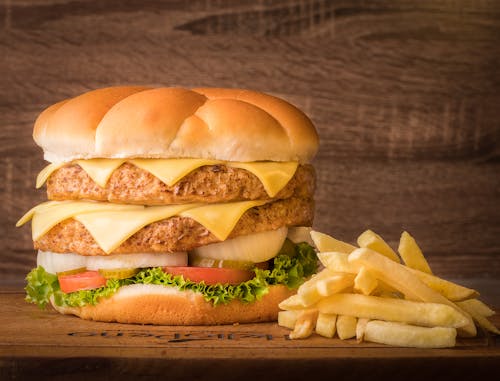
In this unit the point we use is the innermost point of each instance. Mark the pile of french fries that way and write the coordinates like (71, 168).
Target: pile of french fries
(367, 293)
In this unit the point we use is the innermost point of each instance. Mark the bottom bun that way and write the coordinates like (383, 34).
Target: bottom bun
(156, 304)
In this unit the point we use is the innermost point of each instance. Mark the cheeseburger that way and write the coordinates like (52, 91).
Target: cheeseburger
(172, 206)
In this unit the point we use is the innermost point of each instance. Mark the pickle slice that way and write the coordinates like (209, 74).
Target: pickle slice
(221, 263)
(72, 272)
(118, 273)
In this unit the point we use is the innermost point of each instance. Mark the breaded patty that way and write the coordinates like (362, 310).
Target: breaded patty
(179, 233)
(132, 185)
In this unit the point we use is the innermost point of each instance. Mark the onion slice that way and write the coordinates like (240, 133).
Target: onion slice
(56, 262)
(258, 247)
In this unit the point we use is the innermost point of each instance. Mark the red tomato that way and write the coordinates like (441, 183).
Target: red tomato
(86, 280)
(211, 275)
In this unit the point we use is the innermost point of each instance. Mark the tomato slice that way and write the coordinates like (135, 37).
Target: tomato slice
(211, 275)
(86, 280)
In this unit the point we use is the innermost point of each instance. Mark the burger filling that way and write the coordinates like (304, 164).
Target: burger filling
(219, 280)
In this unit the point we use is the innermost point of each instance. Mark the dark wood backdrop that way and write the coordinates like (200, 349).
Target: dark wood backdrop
(405, 95)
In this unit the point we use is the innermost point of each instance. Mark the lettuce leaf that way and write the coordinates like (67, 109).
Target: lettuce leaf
(289, 268)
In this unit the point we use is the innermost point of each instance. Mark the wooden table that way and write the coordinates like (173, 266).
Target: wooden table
(37, 344)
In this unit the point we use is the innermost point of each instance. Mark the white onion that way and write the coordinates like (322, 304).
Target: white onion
(258, 247)
(300, 234)
(55, 262)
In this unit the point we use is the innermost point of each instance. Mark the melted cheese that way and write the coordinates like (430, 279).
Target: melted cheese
(273, 175)
(220, 219)
(170, 171)
(111, 229)
(46, 172)
(100, 170)
(112, 224)
(49, 215)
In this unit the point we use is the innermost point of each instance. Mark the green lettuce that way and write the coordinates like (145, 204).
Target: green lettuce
(290, 267)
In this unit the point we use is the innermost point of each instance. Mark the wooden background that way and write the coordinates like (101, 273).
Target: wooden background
(405, 95)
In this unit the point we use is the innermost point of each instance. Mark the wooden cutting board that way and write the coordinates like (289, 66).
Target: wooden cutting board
(39, 344)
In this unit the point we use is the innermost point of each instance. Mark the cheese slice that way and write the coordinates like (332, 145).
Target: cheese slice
(49, 216)
(111, 229)
(100, 170)
(112, 224)
(220, 219)
(170, 171)
(46, 172)
(273, 175)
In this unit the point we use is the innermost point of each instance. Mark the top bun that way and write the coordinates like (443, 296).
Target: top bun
(144, 122)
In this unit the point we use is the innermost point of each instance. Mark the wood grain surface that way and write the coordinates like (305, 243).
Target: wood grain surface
(405, 96)
(48, 346)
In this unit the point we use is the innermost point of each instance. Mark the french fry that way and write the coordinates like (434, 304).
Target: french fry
(477, 305)
(305, 324)
(403, 335)
(337, 261)
(326, 324)
(365, 281)
(325, 283)
(361, 328)
(481, 320)
(346, 326)
(308, 291)
(325, 243)
(411, 254)
(287, 319)
(398, 310)
(335, 284)
(293, 302)
(372, 240)
(449, 290)
(399, 277)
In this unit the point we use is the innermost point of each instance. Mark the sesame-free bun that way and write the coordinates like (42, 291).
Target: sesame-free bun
(211, 123)
(161, 305)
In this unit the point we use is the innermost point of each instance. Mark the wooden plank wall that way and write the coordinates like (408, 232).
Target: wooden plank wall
(405, 95)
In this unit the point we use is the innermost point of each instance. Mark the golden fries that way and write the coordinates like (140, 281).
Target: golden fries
(337, 261)
(402, 279)
(404, 335)
(365, 281)
(326, 324)
(389, 309)
(361, 329)
(373, 241)
(346, 326)
(305, 324)
(411, 254)
(367, 293)
(287, 319)
(481, 320)
(324, 243)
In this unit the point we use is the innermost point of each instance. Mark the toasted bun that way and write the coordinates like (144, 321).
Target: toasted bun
(156, 304)
(212, 123)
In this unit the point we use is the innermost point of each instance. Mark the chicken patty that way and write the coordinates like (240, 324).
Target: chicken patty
(132, 185)
(178, 233)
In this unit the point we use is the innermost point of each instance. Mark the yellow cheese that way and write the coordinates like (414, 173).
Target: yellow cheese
(220, 219)
(37, 209)
(170, 171)
(112, 224)
(46, 172)
(100, 170)
(49, 216)
(111, 229)
(273, 175)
